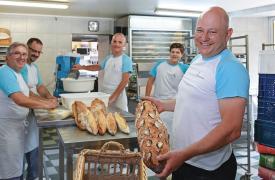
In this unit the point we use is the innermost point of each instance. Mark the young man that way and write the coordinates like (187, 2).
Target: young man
(117, 68)
(33, 79)
(209, 107)
(166, 75)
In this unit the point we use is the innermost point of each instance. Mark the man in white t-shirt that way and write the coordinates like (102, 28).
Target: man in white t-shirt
(32, 76)
(117, 69)
(166, 75)
(209, 106)
(15, 101)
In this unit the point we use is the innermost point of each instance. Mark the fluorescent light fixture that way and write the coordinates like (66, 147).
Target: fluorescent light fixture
(177, 12)
(39, 4)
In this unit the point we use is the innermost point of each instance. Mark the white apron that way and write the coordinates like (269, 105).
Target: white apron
(12, 133)
(31, 137)
(112, 78)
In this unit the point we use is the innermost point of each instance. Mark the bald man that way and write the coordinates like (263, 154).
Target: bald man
(117, 68)
(209, 107)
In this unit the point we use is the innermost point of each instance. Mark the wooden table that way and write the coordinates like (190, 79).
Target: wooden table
(44, 121)
(72, 140)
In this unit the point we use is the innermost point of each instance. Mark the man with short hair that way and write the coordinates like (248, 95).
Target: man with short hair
(33, 79)
(209, 107)
(117, 68)
(15, 101)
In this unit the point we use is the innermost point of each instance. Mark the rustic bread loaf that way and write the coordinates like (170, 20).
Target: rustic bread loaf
(98, 105)
(92, 125)
(152, 135)
(101, 120)
(80, 112)
(111, 124)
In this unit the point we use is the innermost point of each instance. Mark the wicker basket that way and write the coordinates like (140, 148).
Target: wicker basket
(114, 162)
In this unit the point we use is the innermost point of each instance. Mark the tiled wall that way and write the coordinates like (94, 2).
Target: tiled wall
(257, 31)
(56, 34)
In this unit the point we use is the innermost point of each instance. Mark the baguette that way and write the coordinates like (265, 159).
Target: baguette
(98, 105)
(80, 112)
(111, 124)
(101, 119)
(121, 123)
(92, 125)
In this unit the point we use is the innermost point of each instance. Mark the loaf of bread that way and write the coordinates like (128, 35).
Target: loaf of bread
(111, 124)
(152, 135)
(121, 123)
(101, 120)
(98, 105)
(80, 112)
(92, 125)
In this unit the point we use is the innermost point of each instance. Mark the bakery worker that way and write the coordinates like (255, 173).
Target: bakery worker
(33, 79)
(117, 68)
(209, 106)
(15, 101)
(166, 75)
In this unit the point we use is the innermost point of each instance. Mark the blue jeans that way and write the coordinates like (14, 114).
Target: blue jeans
(32, 161)
(227, 171)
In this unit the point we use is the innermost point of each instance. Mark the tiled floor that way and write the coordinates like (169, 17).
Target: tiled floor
(52, 162)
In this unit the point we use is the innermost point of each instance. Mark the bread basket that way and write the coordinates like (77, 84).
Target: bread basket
(111, 162)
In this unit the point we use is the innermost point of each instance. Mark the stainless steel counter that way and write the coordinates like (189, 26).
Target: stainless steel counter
(45, 121)
(72, 140)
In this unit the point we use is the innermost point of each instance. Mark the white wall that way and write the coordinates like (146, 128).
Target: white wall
(55, 33)
(257, 31)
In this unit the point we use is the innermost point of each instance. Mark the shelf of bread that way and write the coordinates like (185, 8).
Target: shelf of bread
(96, 120)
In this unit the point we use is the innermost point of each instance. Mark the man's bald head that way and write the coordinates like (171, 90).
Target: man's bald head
(218, 12)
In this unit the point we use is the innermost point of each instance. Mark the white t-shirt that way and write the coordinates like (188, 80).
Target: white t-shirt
(197, 110)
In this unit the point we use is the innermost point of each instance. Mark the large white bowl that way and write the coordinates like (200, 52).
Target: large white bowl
(78, 85)
(69, 98)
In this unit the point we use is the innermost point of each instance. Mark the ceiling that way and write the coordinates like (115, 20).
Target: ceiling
(118, 8)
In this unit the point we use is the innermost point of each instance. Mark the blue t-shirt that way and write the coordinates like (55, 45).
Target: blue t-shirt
(8, 83)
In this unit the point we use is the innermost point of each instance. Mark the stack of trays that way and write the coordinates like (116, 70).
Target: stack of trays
(265, 126)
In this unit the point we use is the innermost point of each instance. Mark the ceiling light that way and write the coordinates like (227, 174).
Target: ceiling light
(39, 4)
(177, 12)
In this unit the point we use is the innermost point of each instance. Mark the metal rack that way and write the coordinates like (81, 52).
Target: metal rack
(239, 46)
(264, 46)
(147, 47)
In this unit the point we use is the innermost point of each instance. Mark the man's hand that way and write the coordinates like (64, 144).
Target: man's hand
(112, 99)
(173, 160)
(158, 103)
(76, 67)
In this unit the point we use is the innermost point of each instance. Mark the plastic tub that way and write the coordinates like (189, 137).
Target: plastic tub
(69, 98)
(78, 85)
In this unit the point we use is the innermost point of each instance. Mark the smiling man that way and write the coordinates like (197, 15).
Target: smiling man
(117, 68)
(209, 107)
(33, 79)
(15, 101)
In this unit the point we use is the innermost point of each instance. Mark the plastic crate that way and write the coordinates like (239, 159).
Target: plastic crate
(266, 109)
(265, 149)
(267, 85)
(267, 161)
(266, 79)
(265, 132)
